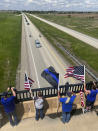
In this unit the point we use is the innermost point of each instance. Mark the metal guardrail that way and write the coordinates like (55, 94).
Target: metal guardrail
(47, 92)
(74, 58)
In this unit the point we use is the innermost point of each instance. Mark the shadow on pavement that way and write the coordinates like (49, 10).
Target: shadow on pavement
(55, 115)
(75, 112)
(4, 119)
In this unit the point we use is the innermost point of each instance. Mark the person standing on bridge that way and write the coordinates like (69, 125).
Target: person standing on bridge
(39, 105)
(67, 103)
(90, 96)
(9, 106)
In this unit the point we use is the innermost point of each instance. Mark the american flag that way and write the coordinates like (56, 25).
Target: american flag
(28, 82)
(76, 72)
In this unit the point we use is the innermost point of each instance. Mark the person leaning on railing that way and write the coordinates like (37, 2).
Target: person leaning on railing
(67, 103)
(39, 105)
(9, 105)
(90, 96)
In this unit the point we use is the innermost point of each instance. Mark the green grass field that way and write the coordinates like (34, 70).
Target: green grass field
(10, 42)
(85, 53)
(85, 23)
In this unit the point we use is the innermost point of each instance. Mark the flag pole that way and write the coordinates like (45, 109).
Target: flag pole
(58, 95)
(84, 87)
(84, 74)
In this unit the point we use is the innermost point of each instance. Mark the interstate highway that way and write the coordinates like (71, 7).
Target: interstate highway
(35, 60)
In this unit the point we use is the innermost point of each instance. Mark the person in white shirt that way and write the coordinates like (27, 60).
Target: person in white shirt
(39, 105)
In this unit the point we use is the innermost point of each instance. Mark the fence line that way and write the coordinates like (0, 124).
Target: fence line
(24, 95)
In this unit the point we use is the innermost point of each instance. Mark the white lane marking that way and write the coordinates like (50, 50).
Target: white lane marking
(32, 58)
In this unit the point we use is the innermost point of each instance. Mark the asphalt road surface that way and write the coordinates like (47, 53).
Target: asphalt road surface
(85, 38)
(35, 60)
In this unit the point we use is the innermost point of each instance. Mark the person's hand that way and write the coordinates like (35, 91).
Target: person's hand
(12, 88)
(8, 89)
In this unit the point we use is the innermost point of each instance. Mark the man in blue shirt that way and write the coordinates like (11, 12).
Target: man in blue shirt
(9, 106)
(67, 103)
(90, 96)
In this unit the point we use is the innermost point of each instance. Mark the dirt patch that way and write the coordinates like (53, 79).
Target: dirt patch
(95, 15)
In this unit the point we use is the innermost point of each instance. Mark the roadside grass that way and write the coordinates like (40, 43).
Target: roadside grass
(85, 53)
(84, 24)
(10, 39)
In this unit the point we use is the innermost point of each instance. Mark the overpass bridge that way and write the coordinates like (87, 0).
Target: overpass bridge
(26, 112)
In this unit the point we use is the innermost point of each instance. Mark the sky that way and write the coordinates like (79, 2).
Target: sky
(46, 5)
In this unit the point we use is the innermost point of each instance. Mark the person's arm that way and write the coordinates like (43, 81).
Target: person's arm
(86, 91)
(59, 95)
(13, 92)
(31, 94)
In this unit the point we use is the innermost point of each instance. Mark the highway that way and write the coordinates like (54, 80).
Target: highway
(35, 60)
(85, 38)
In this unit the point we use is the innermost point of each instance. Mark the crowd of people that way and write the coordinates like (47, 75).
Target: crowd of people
(67, 103)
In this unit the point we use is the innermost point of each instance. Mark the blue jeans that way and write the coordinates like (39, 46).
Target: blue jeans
(12, 121)
(65, 116)
(39, 113)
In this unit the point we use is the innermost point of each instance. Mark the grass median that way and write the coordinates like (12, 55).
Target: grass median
(86, 23)
(10, 43)
(85, 53)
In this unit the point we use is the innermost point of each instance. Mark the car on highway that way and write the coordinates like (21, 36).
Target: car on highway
(30, 35)
(27, 23)
(38, 44)
(26, 20)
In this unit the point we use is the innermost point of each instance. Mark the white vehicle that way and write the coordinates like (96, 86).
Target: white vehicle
(38, 44)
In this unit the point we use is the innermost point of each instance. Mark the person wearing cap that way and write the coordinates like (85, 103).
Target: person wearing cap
(67, 103)
(9, 106)
(90, 96)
